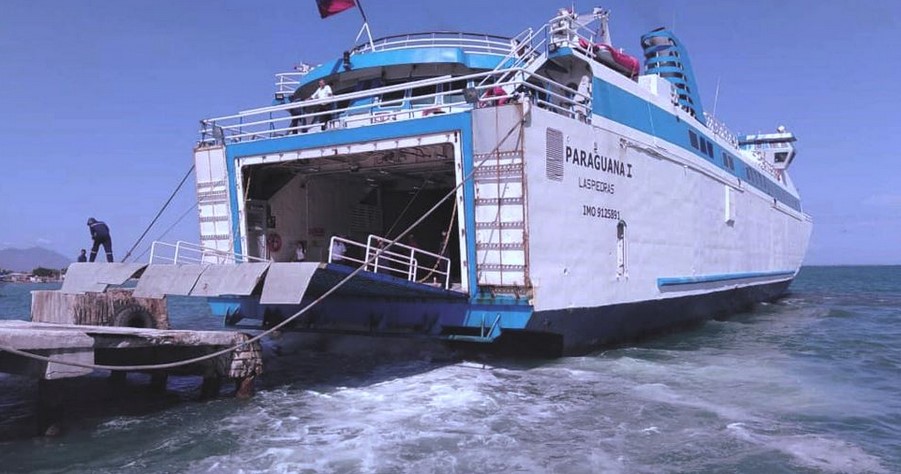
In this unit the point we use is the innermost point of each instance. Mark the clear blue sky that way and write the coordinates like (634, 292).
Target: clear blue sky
(100, 100)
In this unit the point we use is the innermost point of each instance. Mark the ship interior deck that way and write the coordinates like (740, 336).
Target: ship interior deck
(354, 196)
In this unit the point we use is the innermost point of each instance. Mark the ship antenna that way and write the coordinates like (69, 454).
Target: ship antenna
(365, 27)
(716, 96)
(603, 16)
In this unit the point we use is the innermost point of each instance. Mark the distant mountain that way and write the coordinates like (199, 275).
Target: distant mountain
(26, 260)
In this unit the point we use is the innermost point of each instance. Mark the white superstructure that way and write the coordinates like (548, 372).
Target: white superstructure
(553, 191)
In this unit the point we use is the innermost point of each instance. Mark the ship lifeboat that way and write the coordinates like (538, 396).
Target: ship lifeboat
(613, 58)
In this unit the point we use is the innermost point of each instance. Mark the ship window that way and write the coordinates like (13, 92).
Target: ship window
(667, 64)
(709, 149)
(457, 88)
(393, 96)
(419, 92)
(727, 161)
(781, 156)
(621, 269)
(694, 138)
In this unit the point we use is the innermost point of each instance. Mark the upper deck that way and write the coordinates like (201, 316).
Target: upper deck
(475, 49)
(413, 76)
(403, 77)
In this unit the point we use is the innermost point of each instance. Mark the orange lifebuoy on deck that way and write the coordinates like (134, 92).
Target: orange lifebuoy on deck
(274, 242)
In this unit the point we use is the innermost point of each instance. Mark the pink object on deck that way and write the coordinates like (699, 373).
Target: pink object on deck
(630, 63)
(497, 91)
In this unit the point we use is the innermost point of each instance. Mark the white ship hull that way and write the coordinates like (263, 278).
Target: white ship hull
(564, 204)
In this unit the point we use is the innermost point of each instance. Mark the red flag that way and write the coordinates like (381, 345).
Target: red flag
(331, 7)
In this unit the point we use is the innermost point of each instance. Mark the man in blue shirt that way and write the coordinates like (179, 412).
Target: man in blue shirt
(100, 236)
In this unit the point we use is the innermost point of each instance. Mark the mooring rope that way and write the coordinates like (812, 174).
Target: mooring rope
(158, 214)
(407, 207)
(375, 255)
(169, 229)
(450, 226)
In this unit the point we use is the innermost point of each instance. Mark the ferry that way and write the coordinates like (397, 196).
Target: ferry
(542, 192)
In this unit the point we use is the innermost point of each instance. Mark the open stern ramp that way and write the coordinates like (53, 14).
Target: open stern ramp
(395, 271)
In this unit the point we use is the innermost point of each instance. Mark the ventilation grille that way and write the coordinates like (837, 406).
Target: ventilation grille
(554, 155)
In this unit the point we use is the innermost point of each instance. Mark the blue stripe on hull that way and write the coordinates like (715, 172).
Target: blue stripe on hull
(620, 106)
(545, 334)
(721, 278)
(583, 329)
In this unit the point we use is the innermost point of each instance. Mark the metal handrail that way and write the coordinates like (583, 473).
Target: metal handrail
(720, 129)
(401, 260)
(187, 252)
(491, 44)
(262, 124)
(345, 257)
(563, 30)
(522, 52)
(412, 256)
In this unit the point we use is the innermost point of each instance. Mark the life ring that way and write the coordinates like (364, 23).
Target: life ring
(134, 316)
(274, 242)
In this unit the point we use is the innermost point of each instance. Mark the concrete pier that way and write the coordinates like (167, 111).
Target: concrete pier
(114, 307)
(123, 347)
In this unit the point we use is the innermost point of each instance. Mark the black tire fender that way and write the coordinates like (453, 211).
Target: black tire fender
(134, 316)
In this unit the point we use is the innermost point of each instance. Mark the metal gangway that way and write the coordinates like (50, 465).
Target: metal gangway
(396, 259)
(182, 252)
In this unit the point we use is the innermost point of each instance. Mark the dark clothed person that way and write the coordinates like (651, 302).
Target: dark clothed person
(82, 257)
(100, 235)
(297, 120)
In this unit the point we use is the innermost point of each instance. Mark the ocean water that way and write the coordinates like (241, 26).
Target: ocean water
(809, 384)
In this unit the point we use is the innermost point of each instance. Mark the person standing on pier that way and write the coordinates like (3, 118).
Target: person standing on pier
(100, 235)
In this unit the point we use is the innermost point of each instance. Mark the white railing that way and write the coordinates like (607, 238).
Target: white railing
(766, 166)
(468, 42)
(398, 260)
(720, 129)
(332, 113)
(183, 252)
(524, 48)
(368, 108)
(287, 82)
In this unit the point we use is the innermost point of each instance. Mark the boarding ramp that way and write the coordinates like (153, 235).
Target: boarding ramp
(391, 271)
